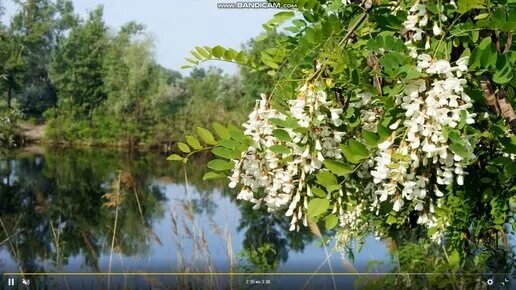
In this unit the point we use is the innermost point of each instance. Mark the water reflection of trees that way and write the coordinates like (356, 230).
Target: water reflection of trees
(52, 207)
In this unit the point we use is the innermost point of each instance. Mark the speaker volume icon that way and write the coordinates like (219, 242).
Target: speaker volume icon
(26, 282)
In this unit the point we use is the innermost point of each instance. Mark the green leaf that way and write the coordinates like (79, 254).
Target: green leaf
(193, 142)
(212, 175)
(226, 153)
(489, 56)
(330, 222)
(183, 147)
(230, 144)
(221, 131)
(268, 60)
(230, 54)
(504, 73)
(481, 16)
(467, 5)
(355, 151)
(383, 132)
(337, 167)
(317, 207)
(459, 150)
(454, 259)
(478, 52)
(280, 149)
(220, 165)
(328, 180)
(175, 157)
(278, 19)
(391, 220)
(202, 51)
(509, 26)
(236, 134)
(206, 136)
(281, 135)
(358, 148)
(372, 139)
(317, 191)
(218, 51)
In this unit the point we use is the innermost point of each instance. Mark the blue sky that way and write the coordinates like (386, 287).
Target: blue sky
(177, 26)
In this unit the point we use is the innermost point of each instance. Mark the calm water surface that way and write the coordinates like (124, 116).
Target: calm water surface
(59, 209)
(107, 211)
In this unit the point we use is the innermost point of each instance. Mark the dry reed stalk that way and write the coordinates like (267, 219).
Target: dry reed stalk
(15, 250)
(231, 255)
(316, 231)
(117, 203)
(201, 243)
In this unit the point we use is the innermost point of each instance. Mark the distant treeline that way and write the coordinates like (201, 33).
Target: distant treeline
(93, 85)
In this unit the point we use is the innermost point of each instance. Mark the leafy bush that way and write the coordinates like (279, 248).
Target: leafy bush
(8, 132)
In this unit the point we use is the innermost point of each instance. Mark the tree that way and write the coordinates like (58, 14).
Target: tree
(34, 33)
(384, 117)
(77, 67)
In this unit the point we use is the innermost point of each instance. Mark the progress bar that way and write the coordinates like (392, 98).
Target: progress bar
(247, 274)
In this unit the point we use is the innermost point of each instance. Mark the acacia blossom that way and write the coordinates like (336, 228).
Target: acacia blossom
(278, 180)
(420, 22)
(433, 107)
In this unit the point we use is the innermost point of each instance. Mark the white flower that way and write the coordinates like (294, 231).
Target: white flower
(462, 63)
(424, 20)
(245, 194)
(395, 125)
(411, 22)
(385, 144)
(436, 29)
(398, 203)
(439, 67)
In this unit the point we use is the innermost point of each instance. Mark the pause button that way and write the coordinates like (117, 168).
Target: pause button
(10, 282)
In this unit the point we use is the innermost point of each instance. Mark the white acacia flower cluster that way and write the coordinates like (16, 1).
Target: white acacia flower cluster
(353, 224)
(420, 20)
(370, 116)
(402, 172)
(278, 180)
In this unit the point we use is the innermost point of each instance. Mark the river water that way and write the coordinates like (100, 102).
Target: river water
(145, 220)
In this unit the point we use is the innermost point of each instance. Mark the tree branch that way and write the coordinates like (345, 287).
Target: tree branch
(506, 110)
(374, 64)
(489, 94)
(499, 103)
(508, 43)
